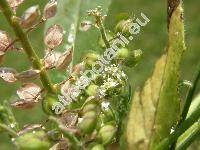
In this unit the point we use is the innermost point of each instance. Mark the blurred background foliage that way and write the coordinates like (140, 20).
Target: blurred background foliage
(152, 40)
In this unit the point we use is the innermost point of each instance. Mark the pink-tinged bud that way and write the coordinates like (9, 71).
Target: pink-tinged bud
(50, 9)
(30, 16)
(53, 36)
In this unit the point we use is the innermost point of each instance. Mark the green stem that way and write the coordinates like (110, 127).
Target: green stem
(190, 96)
(73, 140)
(23, 38)
(9, 130)
(103, 31)
(188, 137)
(165, 143)
(188, 102)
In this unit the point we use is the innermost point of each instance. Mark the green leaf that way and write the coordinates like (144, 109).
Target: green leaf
(70, 14)
(155, 109)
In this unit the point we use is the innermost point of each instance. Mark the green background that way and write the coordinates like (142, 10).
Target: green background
(152, 40)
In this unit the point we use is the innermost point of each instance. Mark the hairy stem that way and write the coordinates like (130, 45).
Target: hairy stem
(165, 143)
(9, 130)
(23, 38)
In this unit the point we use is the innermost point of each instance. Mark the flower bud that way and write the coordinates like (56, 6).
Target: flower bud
(122, 53)
(30, 16)
(92, 90)
(123, 27)
(98, 147)
(50, 9)
(133, 58)
(106, 134)
(90, 58)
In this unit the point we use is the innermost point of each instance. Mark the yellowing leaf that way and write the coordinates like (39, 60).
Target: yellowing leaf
(155, 109)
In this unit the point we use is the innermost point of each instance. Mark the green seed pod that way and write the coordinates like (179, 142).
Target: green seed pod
(89, 115)
(91, 90)
(123, 27)
(90, 58)
(98, 147)
(35, 140)
(122, 53)
(106, 134)
(133, 58)
(51, 105)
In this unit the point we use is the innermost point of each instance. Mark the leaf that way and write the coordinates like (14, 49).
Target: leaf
(8, 74)
(155, 109)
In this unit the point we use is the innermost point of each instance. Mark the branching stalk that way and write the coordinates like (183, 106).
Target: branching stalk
(103, 31)
(22, 36)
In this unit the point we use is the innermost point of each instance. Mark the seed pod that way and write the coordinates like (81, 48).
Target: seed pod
(23, 104)
(92, 90)
(90, 58)
(50, 9)
(5, 41)
(1, 56)
(29, 92)
(122, 53)
(98, 147)
(106, 134)
(65, 59)
(30, 16)
(34, 140)
(48, 103)
(53, 36)
(14, 4)
(89, 115)
(123, 27)
(28, 75)
(8, 74)
(133, 58)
